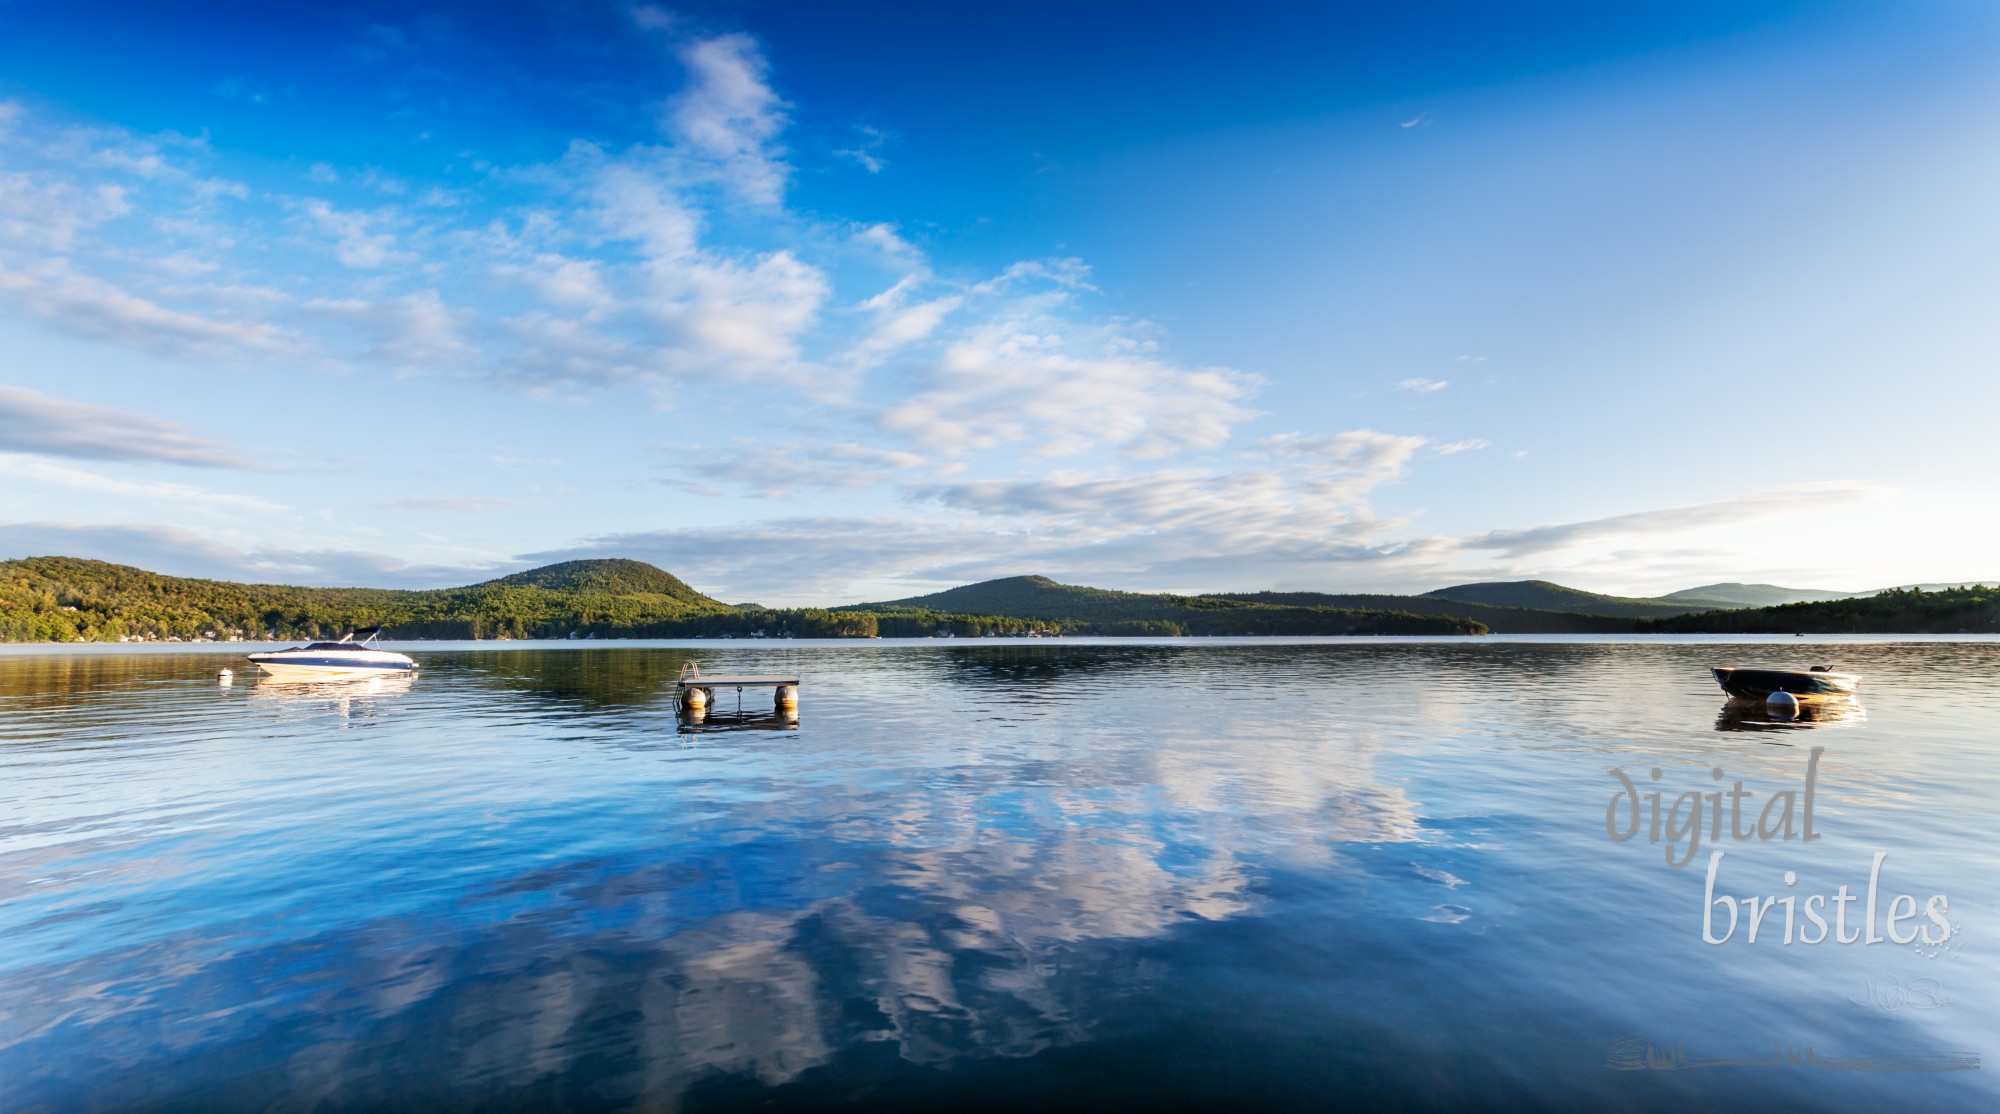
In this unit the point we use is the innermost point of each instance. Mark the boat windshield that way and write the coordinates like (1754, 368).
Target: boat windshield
(333, 646)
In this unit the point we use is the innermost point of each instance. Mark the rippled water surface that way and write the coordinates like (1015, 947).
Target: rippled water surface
(1367, 874)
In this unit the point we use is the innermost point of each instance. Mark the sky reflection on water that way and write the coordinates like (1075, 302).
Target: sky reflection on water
(1369, 874)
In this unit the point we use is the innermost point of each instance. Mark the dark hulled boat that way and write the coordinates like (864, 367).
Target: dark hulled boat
(1756, 684)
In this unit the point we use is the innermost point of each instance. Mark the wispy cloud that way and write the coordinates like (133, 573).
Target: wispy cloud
(94, 307)
(32, 422)
(359, 239)
(771, 470)
(867, 152)
(1753, 507)
(181, 552)
(1423, 386)
(1453, 448)
(728, 118)
(1058, 387)
(31, 469)
(453, 504)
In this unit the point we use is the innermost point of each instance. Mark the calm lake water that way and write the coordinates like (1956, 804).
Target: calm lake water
(1200, 874)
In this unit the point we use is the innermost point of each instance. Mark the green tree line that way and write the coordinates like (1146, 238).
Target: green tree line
(1972, 609)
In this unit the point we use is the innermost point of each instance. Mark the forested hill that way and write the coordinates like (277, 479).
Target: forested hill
(1734, 595)
(1038, 597)
(1541, 595)
(611, 576)
(1968, 610)
(64, 599)
(1104, 611)
(1041, 597)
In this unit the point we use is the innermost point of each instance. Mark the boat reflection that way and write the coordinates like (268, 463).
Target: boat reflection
(692, 722)
(346, 696)
(1755, 715)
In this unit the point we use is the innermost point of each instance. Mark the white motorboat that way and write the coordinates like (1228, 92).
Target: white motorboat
(350, 657)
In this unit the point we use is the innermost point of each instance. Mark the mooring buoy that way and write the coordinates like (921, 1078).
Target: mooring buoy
(1782, 706)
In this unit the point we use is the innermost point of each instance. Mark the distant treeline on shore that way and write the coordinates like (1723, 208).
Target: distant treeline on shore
(1974, 609)
(66, 599)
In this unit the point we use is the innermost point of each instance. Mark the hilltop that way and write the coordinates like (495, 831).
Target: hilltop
(1753, 595)
(611, 576)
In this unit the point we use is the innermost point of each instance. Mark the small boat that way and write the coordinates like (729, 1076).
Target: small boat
(349, 657)
(1756, 684)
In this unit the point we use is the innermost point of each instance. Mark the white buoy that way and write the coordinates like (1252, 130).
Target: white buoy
(788, 696)
(1781, 705)
(696, 699)
(224, 677)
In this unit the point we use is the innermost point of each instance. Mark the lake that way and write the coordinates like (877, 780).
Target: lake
(1188, 874)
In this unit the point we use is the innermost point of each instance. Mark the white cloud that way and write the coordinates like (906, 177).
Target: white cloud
(32, 422)
(1058, 386)
(44, 213)
(358, 239)
(773, 470)
(91, 306)
(868, 161)
(1182, 528)
(897, 320)
(1355, 451)
(1424, 386)
(867, 152)
(1453, 448)
(414, 331)
(728, 118)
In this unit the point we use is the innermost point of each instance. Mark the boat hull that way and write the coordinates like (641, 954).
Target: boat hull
(331, 665)
(1756, 684)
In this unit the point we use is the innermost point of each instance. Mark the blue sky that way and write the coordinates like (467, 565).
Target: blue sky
(817, 303)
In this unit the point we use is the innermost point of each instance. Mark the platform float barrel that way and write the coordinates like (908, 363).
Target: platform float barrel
(695, 699)
(787, 696)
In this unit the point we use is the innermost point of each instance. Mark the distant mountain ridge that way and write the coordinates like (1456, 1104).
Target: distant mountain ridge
(67, 599)
(1755, 595)
(1542, 595)
(1105, 610)
(64, 599)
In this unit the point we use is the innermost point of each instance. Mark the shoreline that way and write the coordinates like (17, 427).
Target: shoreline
(210, 649)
